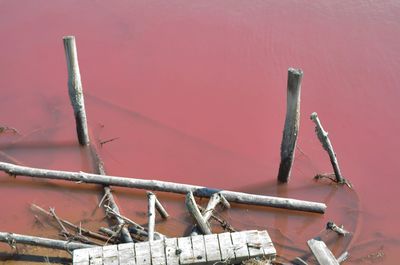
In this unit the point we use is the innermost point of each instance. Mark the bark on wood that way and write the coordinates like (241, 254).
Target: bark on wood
(195, 212)
(13, 239)
(292, 122)
(199, 191)
(327, 145)
(75, 89)
(321, 252)
(160, 208)
(151, 215)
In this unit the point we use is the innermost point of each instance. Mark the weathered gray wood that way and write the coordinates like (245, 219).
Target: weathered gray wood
(321, 252)
(143, 256)
(157, 249)
(199, 250)
(254, 244)
(160, 208)
(343, 257)
(200, 191)
(95, 256)
(151, 215)
(186, 250)
(81, 257)
(126, 254)
(195, 212)
(212, 247)
(226, 246)
(266, 244)
(337, 229)
(110, 255)
(327, 145)
(41, 242)
(75, 89)
(292, 122)
(171, 248)
(239, 242)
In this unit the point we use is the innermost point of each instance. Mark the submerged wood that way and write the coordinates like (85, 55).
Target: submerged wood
(12, 239)
(199, 191)
(160, 208)
(292, 122)
(151, 215)
(343, 257)
(224, 224)
(338, 229)
(195, 212)
(75, 89)
(327, 145)
(321, 252)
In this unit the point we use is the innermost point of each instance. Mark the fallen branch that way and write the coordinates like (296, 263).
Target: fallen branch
(337, 229)
(195, 212)
(224, 224)
(160, 208)
(200, 191)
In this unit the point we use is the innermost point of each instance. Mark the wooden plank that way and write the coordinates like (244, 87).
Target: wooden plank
(142, 251)
(321, 252)
(254, 244)
(199, 249)
(213, 253)
(226, 247)
(267, 245)
(110, 255)
(186, 250)
(96, 256)
(240, 246)
(81, 256)
(171, 248)
(157, 250)
(126, 254)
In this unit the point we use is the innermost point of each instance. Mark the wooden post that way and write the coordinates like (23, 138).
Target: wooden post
(159, 207)
(195, 212)
(292, 123)
(321, 252)
(326, 144)
(75, 89)
(151, 215)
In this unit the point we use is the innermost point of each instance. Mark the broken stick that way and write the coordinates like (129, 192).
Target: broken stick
(292, 122)
(321, 252)
(151, 215)
(159, 207)
(195, 212)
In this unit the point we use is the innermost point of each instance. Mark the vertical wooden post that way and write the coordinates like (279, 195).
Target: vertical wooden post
(151, 215)
(75, 89)
(292, 123)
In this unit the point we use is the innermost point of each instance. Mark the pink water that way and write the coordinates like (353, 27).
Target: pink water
(196, 93)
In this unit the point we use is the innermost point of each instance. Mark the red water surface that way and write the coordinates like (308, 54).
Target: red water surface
(195, 91)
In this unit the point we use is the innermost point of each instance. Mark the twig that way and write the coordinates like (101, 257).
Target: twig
(64, 231)
(107, 141)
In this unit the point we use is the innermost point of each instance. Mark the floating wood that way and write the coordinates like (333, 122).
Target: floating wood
(321, 252)
(200, 191)
(292, 122)
(228, 248)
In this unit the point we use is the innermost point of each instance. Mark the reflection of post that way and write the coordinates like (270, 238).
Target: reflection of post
(292, 122)
(75, 89)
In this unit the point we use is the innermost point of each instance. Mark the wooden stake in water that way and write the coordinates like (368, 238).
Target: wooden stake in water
(151, 215)
(292, 123)
(75, 89)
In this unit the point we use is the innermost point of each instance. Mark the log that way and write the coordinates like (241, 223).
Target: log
(151, 215)
(321, 252)
(13, 239)
(160, 208)
(292, 122)
(199, 191)
(195, 212)
(327, 145)
(75, 89)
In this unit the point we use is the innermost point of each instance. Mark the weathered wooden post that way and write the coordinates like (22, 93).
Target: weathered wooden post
(75, 89)
(292, 123)
(151, 215)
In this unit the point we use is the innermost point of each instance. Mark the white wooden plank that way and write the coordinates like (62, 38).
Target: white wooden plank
(157, 250)
(199, 249)
(126, 254)
(171, 247)
(239, 242)
(267, 245)
(110, 255)
(321, 252)
(225, 244)
(96, 256)
(254, 244)
(213, 253)
(142, 251)
(81, 256)
(186, 250)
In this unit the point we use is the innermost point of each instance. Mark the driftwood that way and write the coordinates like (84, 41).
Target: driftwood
(151, 215)
(343, 257)
(195, 212)
(75, 89)
(159, 207)
(200, 191)
(321, 252)
(292, 122)
(338, 229)
(13, 239)
(327, 145)
(224, 224)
